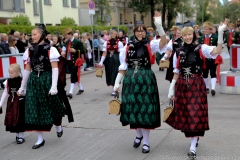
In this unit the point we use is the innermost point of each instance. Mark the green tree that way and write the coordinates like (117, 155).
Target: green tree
(68, 21)
(169, 8)
(103, 13)
(201, 10)
(21, 20)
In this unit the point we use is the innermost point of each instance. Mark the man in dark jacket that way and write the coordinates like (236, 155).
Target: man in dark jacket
(4, 45)
(20, 44)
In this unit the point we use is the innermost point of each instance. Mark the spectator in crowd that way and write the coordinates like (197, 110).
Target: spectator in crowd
(96, 45)
(88, 51)
(101, 42)
(12, 41)
(106, 36)
(75, 35)
(4, 43)
(19, 43)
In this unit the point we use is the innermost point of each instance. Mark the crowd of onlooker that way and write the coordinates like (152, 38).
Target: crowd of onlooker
(16, 42)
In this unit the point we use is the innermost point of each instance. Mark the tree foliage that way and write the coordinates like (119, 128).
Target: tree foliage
(21, 20)
(169, 8)
(103, 13)
(68, 21)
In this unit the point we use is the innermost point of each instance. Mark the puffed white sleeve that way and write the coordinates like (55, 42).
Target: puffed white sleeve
(122, 58)
(26, 58)
(175, 69)
(170, 46)
(104, 49)
(152, 45)
(206, 50)
(120, 46)
(4, 94)
(54, 55)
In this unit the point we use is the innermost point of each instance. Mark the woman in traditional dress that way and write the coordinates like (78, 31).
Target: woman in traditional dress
(14, 118)
(43, 107)
(190, 113)
(110, 58)
(140, 105)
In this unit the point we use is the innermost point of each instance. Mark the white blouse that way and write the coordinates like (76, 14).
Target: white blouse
(154, 44)
(120, 46)
(14, 50)
(206, 50)
(54, 55)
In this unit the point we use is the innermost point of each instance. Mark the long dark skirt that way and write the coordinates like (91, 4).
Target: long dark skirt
(111, 68)
(140, 105)
(190, 113)
(15, 114)
(169, 73)
(42, 110)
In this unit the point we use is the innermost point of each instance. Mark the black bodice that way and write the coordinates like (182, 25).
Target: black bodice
(13, 85)
(39, 58)
(138, 55)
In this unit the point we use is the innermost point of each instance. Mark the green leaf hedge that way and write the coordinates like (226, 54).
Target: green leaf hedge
(53, 29)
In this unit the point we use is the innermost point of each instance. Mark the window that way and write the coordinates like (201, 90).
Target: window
(13, 5)
(28, 1)
(142, 18)
(134, 18)
(65, 3)
(48, 24)
(35, 7)
(120, 18)
(47, 2)
(73, 4)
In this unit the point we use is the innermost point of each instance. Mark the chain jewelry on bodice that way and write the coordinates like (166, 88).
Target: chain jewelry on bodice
(13, 91)
(39, 68)
(136, 63)
(187, 74)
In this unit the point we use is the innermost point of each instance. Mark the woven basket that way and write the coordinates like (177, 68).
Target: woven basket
(99, 72)
(164, 64)
(114, 106)
(167, 111)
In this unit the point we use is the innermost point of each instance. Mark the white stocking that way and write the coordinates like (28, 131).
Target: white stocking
(58, 128)
(138, 134)
(21, 135)
(145, 133)
(206, 82)
(193, 143)
(80, 86)
(213, 83)
(71, 88)
(40, 137)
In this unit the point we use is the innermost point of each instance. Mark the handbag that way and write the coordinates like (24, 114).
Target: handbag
(99, 72)
(114, 105)
(168, 110)
(164, 64)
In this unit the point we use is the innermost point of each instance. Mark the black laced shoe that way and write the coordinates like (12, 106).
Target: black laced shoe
(213, 92)
(20, 140)
(36, 146)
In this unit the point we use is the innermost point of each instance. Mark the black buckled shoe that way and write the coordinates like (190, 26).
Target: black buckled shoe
(135, 144)
(146, 150)
(80, 92)
(20, 140)
(192, 154)
(213, 92)
(69, 95)
(36, 146)
(59, 134)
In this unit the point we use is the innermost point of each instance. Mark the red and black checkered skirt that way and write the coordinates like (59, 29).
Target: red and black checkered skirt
(190, 113)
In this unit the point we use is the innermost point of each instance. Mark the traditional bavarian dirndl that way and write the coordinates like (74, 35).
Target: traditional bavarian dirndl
(190, 113)
(42, 110)
(14, 118)
(112, 61)
(140, 105)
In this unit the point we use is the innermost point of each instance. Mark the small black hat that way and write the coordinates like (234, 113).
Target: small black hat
(42, 27)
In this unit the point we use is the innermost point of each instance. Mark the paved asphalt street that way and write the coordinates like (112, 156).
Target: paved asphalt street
(96, 135)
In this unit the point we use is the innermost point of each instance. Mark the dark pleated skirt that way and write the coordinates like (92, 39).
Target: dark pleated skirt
(42, 109)
(111, 68)
(140, 105)
(190, 113)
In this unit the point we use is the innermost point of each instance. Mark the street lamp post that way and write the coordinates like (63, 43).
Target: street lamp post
(40, 11)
